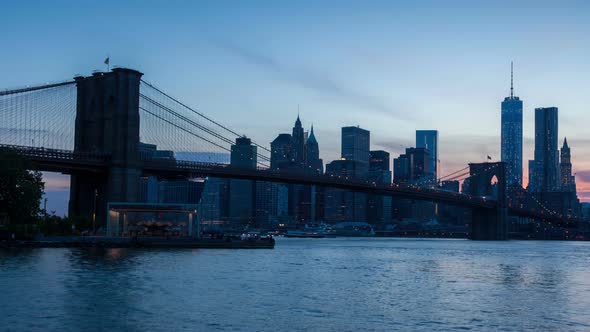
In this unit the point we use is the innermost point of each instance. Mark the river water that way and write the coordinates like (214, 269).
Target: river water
(337, 284)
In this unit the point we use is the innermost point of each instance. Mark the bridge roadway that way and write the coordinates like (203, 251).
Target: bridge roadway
(68, 162)
(188, 169)
(65, 161)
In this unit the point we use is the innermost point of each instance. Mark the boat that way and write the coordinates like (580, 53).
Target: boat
(352, 228)
(304, 234)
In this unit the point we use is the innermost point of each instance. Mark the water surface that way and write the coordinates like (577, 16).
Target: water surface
(302, 285)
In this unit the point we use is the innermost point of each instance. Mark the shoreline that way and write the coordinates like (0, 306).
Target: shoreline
(97, 242)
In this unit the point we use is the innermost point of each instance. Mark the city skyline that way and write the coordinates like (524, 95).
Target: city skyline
(373, 73)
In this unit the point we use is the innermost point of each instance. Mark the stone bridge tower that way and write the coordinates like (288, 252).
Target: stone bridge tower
(488, 223)
(107, 122)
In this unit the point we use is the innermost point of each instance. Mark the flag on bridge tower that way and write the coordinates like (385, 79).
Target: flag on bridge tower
(107, 62)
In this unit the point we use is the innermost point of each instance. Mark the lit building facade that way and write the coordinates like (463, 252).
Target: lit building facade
(428, 139)
(511, 138)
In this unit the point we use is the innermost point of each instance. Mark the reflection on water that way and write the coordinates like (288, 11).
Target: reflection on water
(302, 285)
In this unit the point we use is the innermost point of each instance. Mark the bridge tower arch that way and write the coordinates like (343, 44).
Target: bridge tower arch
(488, 180)
(107, 122)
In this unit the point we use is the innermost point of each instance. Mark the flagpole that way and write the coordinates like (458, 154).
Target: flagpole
(107, 62)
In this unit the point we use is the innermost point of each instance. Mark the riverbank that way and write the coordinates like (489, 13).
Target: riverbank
(106, 242)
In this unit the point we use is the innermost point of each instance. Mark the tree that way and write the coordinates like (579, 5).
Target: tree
(21, 189)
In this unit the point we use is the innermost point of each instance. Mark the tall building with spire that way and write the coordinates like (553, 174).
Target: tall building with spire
(313, 162)
(568, 181)
(298, 144)
(511, 136)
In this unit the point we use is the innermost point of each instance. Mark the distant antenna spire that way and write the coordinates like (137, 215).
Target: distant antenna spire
(511, 80)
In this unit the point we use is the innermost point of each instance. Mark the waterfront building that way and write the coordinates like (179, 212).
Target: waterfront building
(511, 136)
(428, 139)
(342, 205)
(152, 190)
(413, 167)
(242, 192)
(180, 191)
(379, 207)
(298, 153)
(272, 203)
(214, 207)
(544, 168)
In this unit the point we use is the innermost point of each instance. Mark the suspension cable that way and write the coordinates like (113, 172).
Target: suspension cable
(200, 114)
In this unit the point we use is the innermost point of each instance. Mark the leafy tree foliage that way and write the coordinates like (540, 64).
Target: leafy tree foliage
(21, 189)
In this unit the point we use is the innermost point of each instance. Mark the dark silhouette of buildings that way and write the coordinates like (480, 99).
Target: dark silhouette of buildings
(342, 205)
(356, 145)
(412, 166)
(544, 169)
(297, 153)
(242, 192)
(551, 184)
(298, 145)
(280, 156)
(428, 139)
(568, 181)
(313, 162)
(379, 207)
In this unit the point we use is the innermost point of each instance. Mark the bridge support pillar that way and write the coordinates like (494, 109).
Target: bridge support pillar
(488, 224)
(107, 122)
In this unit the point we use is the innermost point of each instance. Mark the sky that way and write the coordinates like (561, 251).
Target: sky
(388, 66)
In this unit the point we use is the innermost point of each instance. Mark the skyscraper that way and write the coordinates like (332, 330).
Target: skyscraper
(242, 192)
(428, 139)
(544, 169)
(298, 144)
(568, 181)
(379, 170)
(356, 144)
(511, 136)
(412, 166)
(243, 153)
(379, 207)
(313, 162)
(341, 205)
(280, 152)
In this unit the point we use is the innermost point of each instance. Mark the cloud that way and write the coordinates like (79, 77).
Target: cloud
(313, 80)
(583, 175)
(395, 146)
(56, 181)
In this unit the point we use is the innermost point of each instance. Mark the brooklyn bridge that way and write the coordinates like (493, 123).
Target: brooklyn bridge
(93, 127)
